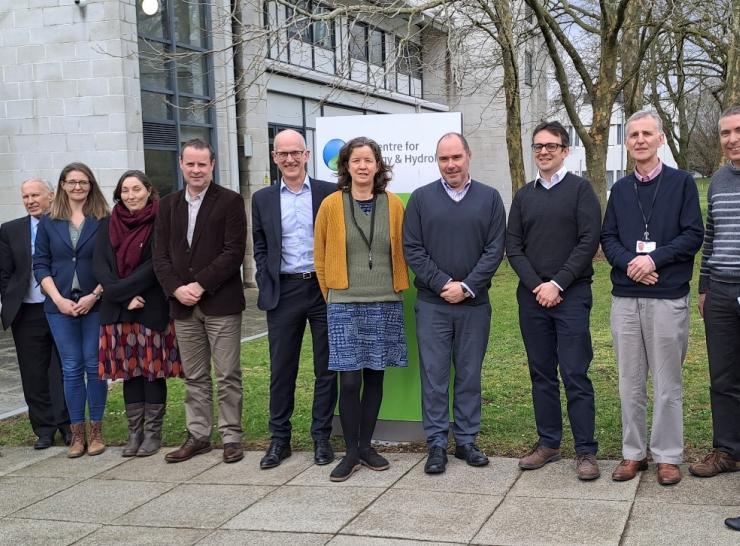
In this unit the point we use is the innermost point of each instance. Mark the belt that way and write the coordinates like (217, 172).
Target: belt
(298, 276)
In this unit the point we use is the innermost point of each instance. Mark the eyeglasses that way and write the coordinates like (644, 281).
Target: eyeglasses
(295, 154)
(73, 183)
(550, 147)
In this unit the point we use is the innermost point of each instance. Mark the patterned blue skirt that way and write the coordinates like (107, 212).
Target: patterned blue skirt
(366, 335)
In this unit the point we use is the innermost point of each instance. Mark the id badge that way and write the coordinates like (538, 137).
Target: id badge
(645, 247)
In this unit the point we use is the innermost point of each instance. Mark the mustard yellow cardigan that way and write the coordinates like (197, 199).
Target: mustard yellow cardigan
(330, 244)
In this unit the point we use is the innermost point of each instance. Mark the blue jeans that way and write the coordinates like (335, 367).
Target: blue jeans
(77, 341)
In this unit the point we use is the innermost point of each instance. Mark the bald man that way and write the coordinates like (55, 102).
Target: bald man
(282, 227)
(23, 313)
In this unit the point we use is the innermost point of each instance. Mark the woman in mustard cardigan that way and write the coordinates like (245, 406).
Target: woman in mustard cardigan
(358, 252)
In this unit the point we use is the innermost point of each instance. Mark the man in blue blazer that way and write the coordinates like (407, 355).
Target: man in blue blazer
(282, 228)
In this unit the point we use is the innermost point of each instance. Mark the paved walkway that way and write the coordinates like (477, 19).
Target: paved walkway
(11, 392)
(48, 499)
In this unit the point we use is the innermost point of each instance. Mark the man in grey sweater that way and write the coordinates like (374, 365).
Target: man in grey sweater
(719, 304)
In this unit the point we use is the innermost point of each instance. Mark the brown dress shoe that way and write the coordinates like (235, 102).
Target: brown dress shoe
(714, 463)
(539, 457)
(77, 445)
(628, 469)
(668, 474)
(233, 452)
(188, 450)
(587, 468)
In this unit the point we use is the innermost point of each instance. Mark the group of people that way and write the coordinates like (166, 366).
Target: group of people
(153, 290)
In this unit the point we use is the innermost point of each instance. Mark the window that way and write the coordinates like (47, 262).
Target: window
(376, 47)
(358, 49)
(528, 69)
(176, 86)
(409, 68)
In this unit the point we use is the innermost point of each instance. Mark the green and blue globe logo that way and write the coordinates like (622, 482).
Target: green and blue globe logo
(331, 153)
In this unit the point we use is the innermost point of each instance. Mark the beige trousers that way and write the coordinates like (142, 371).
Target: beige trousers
(651, 335)
(202, 338)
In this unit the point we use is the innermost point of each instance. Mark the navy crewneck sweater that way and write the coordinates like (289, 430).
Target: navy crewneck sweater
(675, 225)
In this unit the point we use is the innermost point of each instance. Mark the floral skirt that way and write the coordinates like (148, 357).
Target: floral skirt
(366, 335)
(130, 349)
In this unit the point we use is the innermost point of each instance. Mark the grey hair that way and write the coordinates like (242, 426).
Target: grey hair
(45, 183)
(645, 114)
(731, 111)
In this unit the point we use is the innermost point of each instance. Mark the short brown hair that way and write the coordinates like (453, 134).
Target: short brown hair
(95, 204)
(198, 144)
(382, 177)
(141, 177)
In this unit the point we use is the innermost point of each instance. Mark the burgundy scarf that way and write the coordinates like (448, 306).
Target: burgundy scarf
(128, 232)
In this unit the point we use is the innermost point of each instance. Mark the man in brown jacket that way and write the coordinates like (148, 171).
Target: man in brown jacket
(200, 240)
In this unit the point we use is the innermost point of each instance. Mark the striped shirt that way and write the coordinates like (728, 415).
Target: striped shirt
(720, 259)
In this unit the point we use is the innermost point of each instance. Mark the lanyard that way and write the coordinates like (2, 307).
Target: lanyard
(368, 242)
(652, 205)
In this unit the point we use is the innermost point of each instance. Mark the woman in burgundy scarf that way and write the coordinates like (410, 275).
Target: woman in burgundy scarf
(137, 337)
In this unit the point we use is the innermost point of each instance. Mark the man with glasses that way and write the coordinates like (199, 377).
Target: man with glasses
(552, 236)
(282, 228)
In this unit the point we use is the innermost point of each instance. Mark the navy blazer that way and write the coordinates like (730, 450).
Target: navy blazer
(267, 235)
(15, 266)
(55, 257)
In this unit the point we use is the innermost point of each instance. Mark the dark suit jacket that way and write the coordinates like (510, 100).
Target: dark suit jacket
(268, 241)
(216, 254)
(118, 292)
(56, 258)
(15, 266)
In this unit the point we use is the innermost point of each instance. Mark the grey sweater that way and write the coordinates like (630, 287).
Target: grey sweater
(720, 258)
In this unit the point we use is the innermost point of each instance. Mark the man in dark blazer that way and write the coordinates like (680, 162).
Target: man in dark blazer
(200, 241)
(23, 313)
(282, 228)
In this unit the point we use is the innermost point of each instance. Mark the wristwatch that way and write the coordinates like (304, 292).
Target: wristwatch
(465, 290)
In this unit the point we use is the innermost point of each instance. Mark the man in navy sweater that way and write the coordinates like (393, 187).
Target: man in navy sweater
(552, 236)
(652, 230)
(453, 238)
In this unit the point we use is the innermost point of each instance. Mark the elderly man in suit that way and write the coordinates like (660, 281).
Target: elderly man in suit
(282, 227)
(200, 241)
(23, 313)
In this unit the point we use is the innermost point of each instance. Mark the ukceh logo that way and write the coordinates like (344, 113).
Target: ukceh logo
(331, 153)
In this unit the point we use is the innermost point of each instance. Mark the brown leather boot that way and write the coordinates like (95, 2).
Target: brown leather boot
(135, 414)
(77, 446)
(97, 446)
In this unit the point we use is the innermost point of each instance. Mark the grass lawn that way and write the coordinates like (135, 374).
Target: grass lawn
(508, 423)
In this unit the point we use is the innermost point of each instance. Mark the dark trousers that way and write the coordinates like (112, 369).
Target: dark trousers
(560, 337)
(722, 323)
(41, 374)
(300, 300)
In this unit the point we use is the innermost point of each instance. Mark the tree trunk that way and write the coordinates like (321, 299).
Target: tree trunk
(732, 88)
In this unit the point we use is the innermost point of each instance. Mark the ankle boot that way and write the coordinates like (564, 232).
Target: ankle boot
(96, 446)
(77, 445)
(135, 414)
(153, 418)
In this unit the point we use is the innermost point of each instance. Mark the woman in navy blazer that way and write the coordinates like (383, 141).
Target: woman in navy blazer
(62, 263)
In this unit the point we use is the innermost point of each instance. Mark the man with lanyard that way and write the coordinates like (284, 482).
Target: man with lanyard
(555, 270)
(652, 230)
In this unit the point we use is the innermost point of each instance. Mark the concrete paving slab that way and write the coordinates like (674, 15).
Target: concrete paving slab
(248, 470)
(156, 469)
(558, 481)
(118, 535)
(16, 458)
(542, 521)
(494, 479)
(17, 492)
(721, 490)
(213, 505)
(60, 466)
(264, 538)
(427, 515)
(680, 524)
(350, 540)
(37, 532)
(400, 463)
(305, 509)
(95, 501)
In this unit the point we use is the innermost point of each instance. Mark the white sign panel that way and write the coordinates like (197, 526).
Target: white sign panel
(408, 143)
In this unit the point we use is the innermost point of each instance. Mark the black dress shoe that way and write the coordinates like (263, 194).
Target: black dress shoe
(471, 455)
(66, 435)
(44, 442)
(278, 450)
(322, 452)
(436, 461)
(733, 523)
